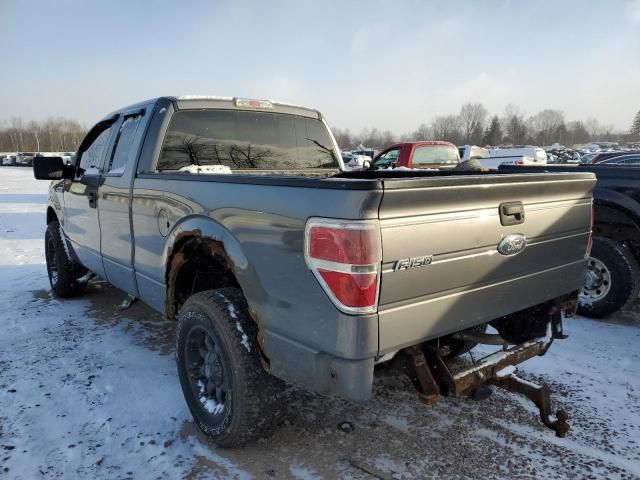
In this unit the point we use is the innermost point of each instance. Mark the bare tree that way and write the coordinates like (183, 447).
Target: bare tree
(447, 127)
(423, 132)
(473, 117)
(546, 125)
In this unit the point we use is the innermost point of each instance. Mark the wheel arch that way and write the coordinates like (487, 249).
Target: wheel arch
(198, 245)
(617, 217)
(52, 216)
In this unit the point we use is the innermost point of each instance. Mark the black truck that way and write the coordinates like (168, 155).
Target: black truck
(613, 276)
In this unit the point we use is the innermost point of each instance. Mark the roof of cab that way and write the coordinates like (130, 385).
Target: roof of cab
(211, 101)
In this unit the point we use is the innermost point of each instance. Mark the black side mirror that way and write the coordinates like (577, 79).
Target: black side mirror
(51, 168)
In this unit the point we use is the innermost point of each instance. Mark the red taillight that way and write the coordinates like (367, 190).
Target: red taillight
(356, 247)
(353, 290)
(590, 241)
(345, 257)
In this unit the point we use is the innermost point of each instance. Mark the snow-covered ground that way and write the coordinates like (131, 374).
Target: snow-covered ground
(89, 391)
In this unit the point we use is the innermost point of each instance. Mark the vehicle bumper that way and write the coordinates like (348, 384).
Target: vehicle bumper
(320, 372)
(405, 325)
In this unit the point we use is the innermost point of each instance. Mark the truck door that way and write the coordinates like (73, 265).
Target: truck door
(81, 223)
(114, 201)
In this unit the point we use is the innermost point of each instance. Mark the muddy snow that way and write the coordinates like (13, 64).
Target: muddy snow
(90, 391)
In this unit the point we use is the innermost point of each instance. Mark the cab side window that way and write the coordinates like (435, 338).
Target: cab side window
(92, 157)
(387, 159)
(127, 144)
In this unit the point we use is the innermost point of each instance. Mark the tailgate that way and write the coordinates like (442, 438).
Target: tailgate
(442, 271)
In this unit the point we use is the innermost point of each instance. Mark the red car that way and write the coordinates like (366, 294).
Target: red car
(418, 155)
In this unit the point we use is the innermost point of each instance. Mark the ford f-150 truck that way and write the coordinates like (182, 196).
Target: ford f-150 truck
(236, 218)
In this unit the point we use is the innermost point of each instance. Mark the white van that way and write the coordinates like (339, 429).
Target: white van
(468, 152)
(515, 156)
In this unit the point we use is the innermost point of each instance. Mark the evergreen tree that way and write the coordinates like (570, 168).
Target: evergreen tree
(493, 135)
(635, 128)
(516, 130)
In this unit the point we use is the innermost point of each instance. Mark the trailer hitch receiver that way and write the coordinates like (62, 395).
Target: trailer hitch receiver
(436, 381)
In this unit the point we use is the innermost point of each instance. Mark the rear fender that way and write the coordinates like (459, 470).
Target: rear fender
(199, 226)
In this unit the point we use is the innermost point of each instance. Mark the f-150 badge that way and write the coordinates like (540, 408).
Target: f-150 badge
(512, 244)
(413, 262)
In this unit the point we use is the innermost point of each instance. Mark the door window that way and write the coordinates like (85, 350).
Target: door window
(93, 155)
(126, 145)
(387, 159)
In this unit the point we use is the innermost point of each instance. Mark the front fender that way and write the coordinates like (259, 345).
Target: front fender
(55, 201)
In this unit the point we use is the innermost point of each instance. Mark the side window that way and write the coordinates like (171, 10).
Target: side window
(387, 158)
(93, 155)
(126, 144)
(434, 155)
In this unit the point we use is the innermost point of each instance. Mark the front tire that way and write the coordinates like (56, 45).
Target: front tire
(62, 271)
(232, 398)
(612, 279)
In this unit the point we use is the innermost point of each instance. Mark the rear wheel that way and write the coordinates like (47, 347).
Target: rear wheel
(62, 271)
(612, 279)
(231, 397)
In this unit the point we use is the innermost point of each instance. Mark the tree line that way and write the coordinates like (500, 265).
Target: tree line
(473, 125)
(52, 135)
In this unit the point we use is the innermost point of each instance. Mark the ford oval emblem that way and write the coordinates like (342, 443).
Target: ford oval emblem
(512, 244)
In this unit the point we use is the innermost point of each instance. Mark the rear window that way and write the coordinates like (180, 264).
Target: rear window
(244, 140)
(434, 155)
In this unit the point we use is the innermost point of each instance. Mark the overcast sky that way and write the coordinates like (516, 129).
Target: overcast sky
(389, 64)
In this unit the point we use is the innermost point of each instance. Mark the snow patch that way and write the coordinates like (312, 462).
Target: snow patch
(397, 422)
(506, 371)
(64, 243)
(245, 339)
(207, 169)
(234, 314)
(302, 472)
(407, 169)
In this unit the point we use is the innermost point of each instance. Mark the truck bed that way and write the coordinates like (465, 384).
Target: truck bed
(452, 217)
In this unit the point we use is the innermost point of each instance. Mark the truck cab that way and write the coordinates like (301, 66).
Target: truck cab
(426, 154)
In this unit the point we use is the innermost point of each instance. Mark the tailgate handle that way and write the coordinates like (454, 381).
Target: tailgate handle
(511, 213)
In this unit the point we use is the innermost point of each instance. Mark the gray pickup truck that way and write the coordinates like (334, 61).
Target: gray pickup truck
(236, 218)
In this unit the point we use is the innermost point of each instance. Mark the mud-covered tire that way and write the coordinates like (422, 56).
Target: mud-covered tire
(250, 397)
(62, 271)
(612, 268)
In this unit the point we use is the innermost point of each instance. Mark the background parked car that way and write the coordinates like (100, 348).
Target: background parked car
(632, 159)
(67, 157)
(467, 152)
(606, 155)
(9, 160)
(428, 154)
(25, 159)
(366, 152)
(519, 155)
